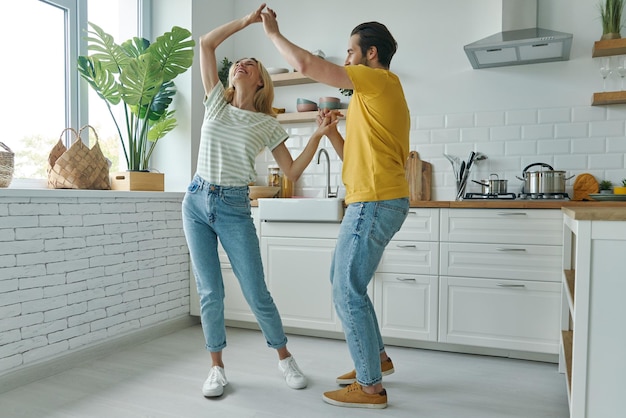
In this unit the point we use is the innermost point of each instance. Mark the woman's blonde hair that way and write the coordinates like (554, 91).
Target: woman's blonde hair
(264, 96)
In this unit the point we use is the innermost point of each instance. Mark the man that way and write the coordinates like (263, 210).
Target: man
(374, 153)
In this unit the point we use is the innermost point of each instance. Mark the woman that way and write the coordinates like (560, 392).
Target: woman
(238, 124)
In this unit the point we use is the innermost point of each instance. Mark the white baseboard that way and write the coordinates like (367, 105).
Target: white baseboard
(34, 372)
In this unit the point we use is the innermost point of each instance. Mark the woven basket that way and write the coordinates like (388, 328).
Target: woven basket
(6, 165)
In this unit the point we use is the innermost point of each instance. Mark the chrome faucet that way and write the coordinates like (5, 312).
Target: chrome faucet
(328, 191)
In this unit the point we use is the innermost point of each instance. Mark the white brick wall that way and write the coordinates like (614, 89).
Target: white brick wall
(585, 139)
(75, 271)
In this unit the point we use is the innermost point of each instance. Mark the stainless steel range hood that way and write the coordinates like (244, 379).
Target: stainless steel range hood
(521, 41)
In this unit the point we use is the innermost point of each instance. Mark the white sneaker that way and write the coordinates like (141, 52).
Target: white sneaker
(214, 384)
(293, 375)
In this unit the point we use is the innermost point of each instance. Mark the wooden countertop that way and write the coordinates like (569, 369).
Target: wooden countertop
(510, 204)
(595, 213)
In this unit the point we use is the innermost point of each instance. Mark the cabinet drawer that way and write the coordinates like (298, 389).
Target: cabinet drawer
(508, 314)
(406, 305)
(412, 257)
(420, 225)
(520, 226)
(502, 261)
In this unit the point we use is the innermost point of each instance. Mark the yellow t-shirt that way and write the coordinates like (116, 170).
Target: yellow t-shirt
(377, 137)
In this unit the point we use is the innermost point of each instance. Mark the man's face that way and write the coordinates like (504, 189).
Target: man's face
(355, 56)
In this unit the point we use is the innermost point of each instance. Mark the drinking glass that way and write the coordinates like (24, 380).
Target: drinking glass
(605, 70)
(621, 68)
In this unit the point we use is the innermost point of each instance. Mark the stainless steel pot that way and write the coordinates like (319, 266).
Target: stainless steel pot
(544, 181)
(492, 185)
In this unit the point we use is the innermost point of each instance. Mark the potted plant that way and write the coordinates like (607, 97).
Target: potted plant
(620, 189)
(606, 187)
(611, 16)
(138, 75)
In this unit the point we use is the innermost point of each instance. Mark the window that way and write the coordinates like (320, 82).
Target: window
(45, 93)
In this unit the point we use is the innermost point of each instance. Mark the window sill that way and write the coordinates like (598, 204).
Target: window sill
(38, 188)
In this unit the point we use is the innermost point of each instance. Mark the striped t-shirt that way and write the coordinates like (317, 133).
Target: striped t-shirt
(230, 140)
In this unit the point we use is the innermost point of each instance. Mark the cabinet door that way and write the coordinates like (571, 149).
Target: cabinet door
(508, 314)
(421, 224)
(406, 305)
(410, 257)
(298, 276)
(502, 261)
(518, 226)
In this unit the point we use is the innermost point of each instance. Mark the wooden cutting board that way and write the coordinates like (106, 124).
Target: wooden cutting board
(418, 174)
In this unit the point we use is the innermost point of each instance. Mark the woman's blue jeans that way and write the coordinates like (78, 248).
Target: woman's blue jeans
(211, 212)
(366, 229)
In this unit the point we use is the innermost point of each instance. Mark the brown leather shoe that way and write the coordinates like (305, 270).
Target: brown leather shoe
(353, 397)
(386, 367)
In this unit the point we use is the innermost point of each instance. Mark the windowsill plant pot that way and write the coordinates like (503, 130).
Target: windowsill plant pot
(138, 181)
(619, 190)
(137, 76)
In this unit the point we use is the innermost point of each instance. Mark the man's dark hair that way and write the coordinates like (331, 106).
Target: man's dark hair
(376, 34)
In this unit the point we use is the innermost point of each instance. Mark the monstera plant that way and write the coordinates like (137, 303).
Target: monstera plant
(137, 75)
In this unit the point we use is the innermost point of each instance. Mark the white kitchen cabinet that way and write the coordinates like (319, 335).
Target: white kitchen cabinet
(499, 278)
(406, 282)
(297, 259)
(593, 332)
(235, 305)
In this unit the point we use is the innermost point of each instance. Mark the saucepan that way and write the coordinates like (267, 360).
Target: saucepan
(492, 185)
(543, 181)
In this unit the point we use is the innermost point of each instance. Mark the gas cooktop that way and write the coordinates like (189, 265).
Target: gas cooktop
(522, 196)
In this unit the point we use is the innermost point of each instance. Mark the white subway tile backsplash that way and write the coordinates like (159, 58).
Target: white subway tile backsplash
(555, 115)
(459, 120)
(444, 136)
(588, 145)
(505, 133)
(431, 122)
(521, 117)
(589, 113)
(481, 134)
(606, 162)
(554, 147)
(616, 144)
(607, 128)
(544, 131)
(520, 148)
(571, 130)
(490, 119)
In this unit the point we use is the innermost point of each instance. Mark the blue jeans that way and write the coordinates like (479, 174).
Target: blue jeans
(211, 212)
(366, 229)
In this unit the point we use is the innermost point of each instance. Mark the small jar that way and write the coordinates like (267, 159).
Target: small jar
(274, 177)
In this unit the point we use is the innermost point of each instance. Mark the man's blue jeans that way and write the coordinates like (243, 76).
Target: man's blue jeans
(366, 229)
(211, 212)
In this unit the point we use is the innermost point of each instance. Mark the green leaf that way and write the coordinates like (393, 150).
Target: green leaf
(101, 80)
(174, 52)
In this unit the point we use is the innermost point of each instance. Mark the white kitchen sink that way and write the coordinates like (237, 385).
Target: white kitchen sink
(303, 209)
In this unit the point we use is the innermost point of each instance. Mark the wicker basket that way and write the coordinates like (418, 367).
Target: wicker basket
(6, 165)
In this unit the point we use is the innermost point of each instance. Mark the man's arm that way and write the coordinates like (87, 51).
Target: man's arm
(302, 60)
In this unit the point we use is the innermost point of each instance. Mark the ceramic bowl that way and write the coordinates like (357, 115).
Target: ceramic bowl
(300, 100)
(306, 107)
(329, 103)
(274, 70)
(257, 192)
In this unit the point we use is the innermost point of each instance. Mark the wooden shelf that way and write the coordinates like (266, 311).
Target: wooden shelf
(567, 338)
(290, 79)
(608, 98)
(297, 117)
(609, 47)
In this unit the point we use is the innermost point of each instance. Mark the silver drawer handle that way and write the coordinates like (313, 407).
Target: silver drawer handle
(405, 279)
(511, 249)
(406, 246)
(512, 214)
(511, 285)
